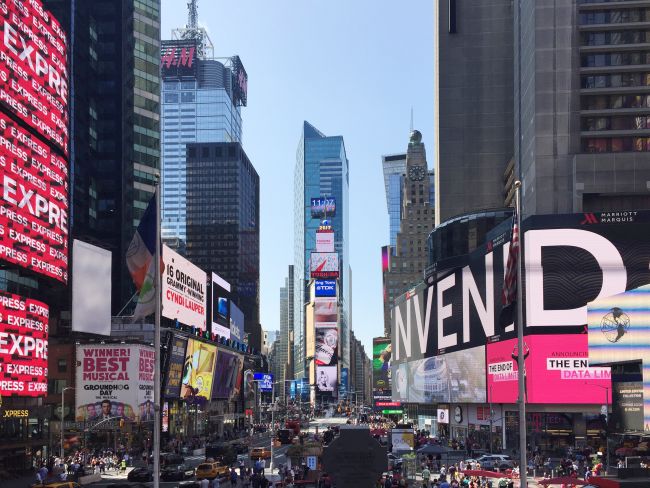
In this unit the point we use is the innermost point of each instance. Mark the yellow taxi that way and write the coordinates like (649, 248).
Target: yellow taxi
(260, 453)
(210, 470)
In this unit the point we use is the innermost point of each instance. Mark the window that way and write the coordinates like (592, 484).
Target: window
(62, 365)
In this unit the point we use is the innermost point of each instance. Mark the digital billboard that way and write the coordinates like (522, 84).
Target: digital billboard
(326, 312)
(34, 71)
(183, 290)
(558, 370)
(236, 323)
(114, 380)
(381, 358)
(198, 370)
(220, 306)
(239, 82)
(324, 241)
(23, 346)
(619, 331)
(343, 384)
(324, 265)
(225, 374)
(264, 381)
(325, 288)
(175, 370)
(34, 211)
(178, 58)
(326, 378)
(327, 343)
(402, 439)
(323, 207)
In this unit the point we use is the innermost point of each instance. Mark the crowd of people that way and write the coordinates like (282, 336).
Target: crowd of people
(81, 463)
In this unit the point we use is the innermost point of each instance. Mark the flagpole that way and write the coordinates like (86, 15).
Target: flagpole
(156, 345)
(521, 365)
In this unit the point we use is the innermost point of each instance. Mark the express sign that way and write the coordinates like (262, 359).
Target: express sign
(33, 69)
(23, 346)
(33, 203)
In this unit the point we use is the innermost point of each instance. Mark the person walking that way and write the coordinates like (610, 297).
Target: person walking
(426, 477)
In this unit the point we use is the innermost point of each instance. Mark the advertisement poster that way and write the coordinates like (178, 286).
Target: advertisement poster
(619, 331)
(225, 374)
(176, 363)
(326, 312)
(23, 346)
(326, 378)
(323, 207)
(381, 359)
(34, 210)
(114, 380)
(402, 439)
(220, 306)
(343, 384)
(264, 381)
(34, 71)
(324, 264)
(236, 323)
(325, 288)
(557, 371)
(325, 241)
(327, 342)
(249, 385)
(198, 370)
(183, 290)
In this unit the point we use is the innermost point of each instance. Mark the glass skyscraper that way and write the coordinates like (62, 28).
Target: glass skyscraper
(321, 171)
(199, 104)
(394, 167)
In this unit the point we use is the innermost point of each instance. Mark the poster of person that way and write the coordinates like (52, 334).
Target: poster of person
(381, 359)
(198, 369)
(113, 380)
(327, 341)
(326, 378)
(249, 385)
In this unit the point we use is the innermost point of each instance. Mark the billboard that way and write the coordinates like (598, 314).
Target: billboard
(343, 384)
(91, 288)
(323, 207)
(34, 210)
(23, 346)
(176, 363)
(178, 58)
(183, 290)
(619, 332)
(402, 439)
(324, 241)
(236, 323)
(198, 369)
(220, 319)
(327, 346)
(324, 288)
(324, 265)
(558, 370)
(381, 358)
(326, 378)
(225, 374)
(239, 82)
(34, 72)
(264, 381)
(326, 312)
(114, 380)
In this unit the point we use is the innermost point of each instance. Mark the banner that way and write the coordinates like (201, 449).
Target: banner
(114, 380)
(23, 346)
(198, 371)
(183, 290)
(176, 363)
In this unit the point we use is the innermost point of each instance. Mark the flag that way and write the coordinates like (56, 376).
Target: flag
(139, 260)
(509, 292)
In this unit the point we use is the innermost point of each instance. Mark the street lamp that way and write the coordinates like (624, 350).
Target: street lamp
(63, 413)
(606, 388)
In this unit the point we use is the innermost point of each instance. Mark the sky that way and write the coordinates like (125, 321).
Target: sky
(353, 68)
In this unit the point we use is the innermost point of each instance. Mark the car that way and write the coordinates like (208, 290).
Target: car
(210, 470)
(178, 472)
(140, 474)
(260, 453)
(495, 461)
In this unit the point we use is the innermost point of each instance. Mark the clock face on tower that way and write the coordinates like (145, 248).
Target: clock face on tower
(417, 173)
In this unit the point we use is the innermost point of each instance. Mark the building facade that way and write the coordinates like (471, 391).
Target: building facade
(285, 345)
(394, 167)
(322, 170)
(223, 232)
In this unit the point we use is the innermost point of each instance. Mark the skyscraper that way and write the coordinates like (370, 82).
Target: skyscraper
(286, 333)
(321, 171)
(223, 233)
(394, 167)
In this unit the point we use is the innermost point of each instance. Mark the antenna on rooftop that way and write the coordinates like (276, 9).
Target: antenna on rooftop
(193, 31)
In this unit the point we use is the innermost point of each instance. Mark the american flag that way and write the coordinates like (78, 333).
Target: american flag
(509, 292)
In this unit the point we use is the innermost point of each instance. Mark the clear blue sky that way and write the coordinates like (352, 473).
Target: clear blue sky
(349, 67)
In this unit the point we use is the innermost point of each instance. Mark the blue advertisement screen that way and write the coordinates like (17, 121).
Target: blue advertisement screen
(325, 288)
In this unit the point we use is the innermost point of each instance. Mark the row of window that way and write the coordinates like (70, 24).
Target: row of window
(616, 80)
(613, 38)
(603, 102)
(615, 59)
(616, 144)
(624, 122)
(614, 16)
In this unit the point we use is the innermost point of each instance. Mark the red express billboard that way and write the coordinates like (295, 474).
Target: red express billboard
(33, 69)
(34, 206)
(23, 346)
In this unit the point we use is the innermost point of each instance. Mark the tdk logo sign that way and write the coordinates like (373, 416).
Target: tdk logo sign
(325, 288)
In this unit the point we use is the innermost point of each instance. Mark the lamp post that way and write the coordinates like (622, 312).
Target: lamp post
(606, 388)
(63, 414)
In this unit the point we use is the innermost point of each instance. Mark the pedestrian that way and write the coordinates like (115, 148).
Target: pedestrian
(216, 482)
(205, 483)
(233, 477)
(426, 477)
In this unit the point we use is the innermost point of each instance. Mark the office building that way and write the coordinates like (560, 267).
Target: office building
(321, 171)
(473, 104)
(394, 167)
(285, 346)
(403, 267)
(360, 376)
(223, 233)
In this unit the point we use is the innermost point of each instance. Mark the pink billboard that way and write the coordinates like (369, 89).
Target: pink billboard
(557, 371)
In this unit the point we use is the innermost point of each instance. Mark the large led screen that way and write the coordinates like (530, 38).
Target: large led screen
(324, 265)
(557, 371)
(381, 357)
(183, 290)
(33, 69)
(23, 346)
(114, 380)
(175, 370)
(34, 210)
(198, 371)
(225, 374)
(326, 312)
(323, 207)
(327, 346)
(619, 331)
(220, 320)
(326, 378)
(236, 323)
